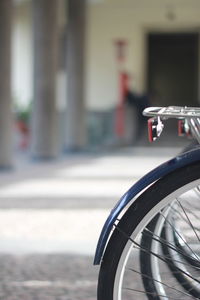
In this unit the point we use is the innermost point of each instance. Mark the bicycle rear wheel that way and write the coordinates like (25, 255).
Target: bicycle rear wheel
(121, 277)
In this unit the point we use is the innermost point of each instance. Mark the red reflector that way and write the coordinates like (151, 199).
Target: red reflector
(150, 129)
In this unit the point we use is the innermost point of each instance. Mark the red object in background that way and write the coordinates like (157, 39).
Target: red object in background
(120, 114)
(120, 45)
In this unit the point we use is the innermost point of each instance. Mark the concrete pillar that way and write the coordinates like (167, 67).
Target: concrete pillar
(44, 116)
(75, 119)
(6, 121)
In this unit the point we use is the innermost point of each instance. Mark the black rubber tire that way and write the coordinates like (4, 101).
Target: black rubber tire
(133, 216)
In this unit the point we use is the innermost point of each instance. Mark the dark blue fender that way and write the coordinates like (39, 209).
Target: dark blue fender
(162, 170)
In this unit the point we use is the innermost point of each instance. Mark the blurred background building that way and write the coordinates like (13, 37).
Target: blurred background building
(67, 66)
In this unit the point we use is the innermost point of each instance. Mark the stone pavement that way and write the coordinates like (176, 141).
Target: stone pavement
(47, 277)
(51, 215)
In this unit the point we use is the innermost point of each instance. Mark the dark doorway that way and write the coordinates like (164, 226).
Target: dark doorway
(173, 69)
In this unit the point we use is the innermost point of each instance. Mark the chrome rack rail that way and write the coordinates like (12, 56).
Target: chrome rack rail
(188, 124)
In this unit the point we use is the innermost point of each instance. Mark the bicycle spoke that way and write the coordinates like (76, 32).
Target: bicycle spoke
(160, 257)
(153, 294)
(164, 284)
(190, 223)
(193, 214)
(187, 245)
(172, 247)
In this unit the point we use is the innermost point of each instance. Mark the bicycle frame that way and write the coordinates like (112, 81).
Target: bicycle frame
(132, 194)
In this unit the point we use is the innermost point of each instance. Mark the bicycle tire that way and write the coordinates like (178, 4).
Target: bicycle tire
(138, 215)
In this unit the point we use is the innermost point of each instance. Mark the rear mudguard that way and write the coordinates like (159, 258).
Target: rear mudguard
(162, 170)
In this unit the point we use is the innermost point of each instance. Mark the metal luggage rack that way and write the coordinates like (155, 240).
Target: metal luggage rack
(172, 112)
(188, 124)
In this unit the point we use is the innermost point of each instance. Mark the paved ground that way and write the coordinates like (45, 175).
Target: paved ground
(51, 215)
(47, 276)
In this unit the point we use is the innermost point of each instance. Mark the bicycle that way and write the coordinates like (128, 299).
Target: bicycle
(148, 247)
